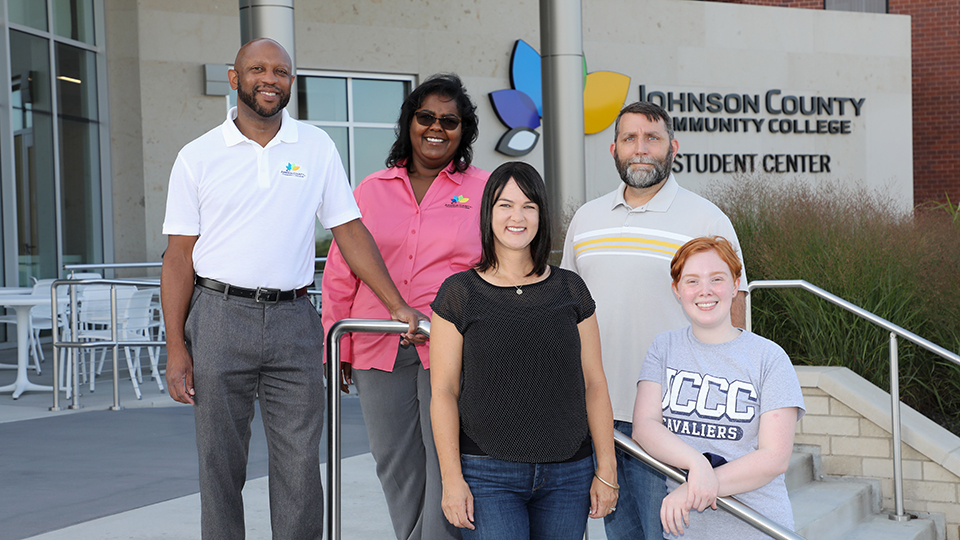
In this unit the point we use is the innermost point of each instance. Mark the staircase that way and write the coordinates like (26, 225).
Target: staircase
(844, 508)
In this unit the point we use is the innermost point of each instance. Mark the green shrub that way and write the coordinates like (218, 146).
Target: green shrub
(858, 245)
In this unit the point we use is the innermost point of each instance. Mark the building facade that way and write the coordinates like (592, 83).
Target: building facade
(104, 93)
(935, 37)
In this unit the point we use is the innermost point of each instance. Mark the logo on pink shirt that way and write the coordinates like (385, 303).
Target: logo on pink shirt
(458, 202)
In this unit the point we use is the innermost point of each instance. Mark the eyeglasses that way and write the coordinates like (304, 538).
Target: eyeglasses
(425, 119)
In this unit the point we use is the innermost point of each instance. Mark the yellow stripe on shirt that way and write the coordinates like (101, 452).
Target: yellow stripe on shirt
(625, 242)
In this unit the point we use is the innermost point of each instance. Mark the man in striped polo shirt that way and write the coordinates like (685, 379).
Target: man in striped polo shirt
(621, 244)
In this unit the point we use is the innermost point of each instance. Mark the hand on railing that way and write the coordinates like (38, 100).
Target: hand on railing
(729, 504)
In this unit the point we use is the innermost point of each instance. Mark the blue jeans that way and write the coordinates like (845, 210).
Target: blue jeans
(520, 501)
(641, 494)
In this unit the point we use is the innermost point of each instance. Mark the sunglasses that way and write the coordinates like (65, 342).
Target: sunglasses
(425, 119)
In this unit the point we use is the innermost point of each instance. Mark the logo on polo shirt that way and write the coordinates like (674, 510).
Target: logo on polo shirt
(293, 170)
(458, 202)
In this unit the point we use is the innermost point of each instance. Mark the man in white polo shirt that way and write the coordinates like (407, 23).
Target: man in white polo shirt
(241, 212)
(621, 244)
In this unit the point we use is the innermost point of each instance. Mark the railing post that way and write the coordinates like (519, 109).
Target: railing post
(116, 349)
(895, 431)
(55, 308)
(332, 350)
(77, 358)
(333, 431)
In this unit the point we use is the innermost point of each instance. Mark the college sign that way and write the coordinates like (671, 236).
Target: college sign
(770, 114)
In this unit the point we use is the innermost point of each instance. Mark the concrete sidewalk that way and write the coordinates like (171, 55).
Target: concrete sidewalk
(110, 479)
(364, 513)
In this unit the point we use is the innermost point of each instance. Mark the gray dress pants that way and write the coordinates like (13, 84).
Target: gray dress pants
(396, 411)
(243, 351)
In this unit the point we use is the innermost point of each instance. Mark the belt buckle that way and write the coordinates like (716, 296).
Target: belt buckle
(262, 295)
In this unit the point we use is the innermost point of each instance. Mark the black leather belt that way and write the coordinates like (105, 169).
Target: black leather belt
(260, 294)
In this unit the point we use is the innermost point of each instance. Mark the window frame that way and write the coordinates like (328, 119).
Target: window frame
(104, 230)
(350, 123)
(827, 7)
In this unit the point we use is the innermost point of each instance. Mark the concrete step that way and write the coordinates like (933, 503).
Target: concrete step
(801, 471)
(836, 508)
(880, 527)
(826, 510)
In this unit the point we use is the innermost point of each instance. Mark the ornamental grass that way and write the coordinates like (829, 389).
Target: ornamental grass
(862, 247)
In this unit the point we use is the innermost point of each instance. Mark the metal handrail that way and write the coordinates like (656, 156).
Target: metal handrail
(74, 331)
(110, 266)
(338, 330)
(334, 477)
(895, 331)
(120, 266)
(113, 342)
(730, 504)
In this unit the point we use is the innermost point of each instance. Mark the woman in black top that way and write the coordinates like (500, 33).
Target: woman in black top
(518, 386)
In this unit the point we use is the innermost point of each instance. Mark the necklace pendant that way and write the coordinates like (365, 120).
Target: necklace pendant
(519, 291)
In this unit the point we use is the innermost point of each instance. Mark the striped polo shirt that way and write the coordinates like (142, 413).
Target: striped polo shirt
(623, 254)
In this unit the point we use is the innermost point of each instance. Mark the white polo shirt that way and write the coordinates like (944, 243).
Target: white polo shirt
(255, 208)
(623, 254)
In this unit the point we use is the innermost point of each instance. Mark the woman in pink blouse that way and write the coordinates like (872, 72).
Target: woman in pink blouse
(423, 212)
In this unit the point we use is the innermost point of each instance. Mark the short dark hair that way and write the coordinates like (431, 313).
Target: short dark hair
(449, 86)
(652, 111)
(531, 184)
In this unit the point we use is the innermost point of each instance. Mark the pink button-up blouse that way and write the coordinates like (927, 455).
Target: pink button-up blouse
(421, 245)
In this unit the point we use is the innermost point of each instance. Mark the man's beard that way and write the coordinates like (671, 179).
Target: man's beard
(640, 178)
(250, 99)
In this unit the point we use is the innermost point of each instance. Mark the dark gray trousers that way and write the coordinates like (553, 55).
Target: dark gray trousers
(243, 351)
(396, 411)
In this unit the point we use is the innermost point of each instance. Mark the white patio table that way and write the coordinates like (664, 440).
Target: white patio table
(23, 303)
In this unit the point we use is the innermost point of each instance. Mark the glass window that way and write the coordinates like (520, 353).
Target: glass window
(322, 98)
(341, 139)
(74, 19)
(372, 147)
(56, 149)
(862, 6)
(79, 154)
(359, 112)
(76, 82)
(378, 101)
(33, 157)
(32, 13)
(80, 190)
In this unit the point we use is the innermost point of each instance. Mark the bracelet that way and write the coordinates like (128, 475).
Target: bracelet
(614, 486)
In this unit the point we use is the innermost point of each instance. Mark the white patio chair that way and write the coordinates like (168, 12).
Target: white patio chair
(138, 325)
(135, 319)
(94, 318)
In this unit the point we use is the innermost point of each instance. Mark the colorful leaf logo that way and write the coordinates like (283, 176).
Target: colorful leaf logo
(459, 199)
(293, 167)
(521, 108)
(603, 95)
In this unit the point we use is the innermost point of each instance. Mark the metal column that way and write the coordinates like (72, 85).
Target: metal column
(561, 45)
(271, 19)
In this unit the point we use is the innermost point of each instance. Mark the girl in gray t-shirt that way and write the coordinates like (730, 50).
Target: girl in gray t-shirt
(715, 390)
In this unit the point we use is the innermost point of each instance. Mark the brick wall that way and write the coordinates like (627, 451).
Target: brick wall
(935, 35)
(936, 102)
(852, 445)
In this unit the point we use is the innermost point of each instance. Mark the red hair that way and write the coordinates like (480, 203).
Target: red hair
(705, 243)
